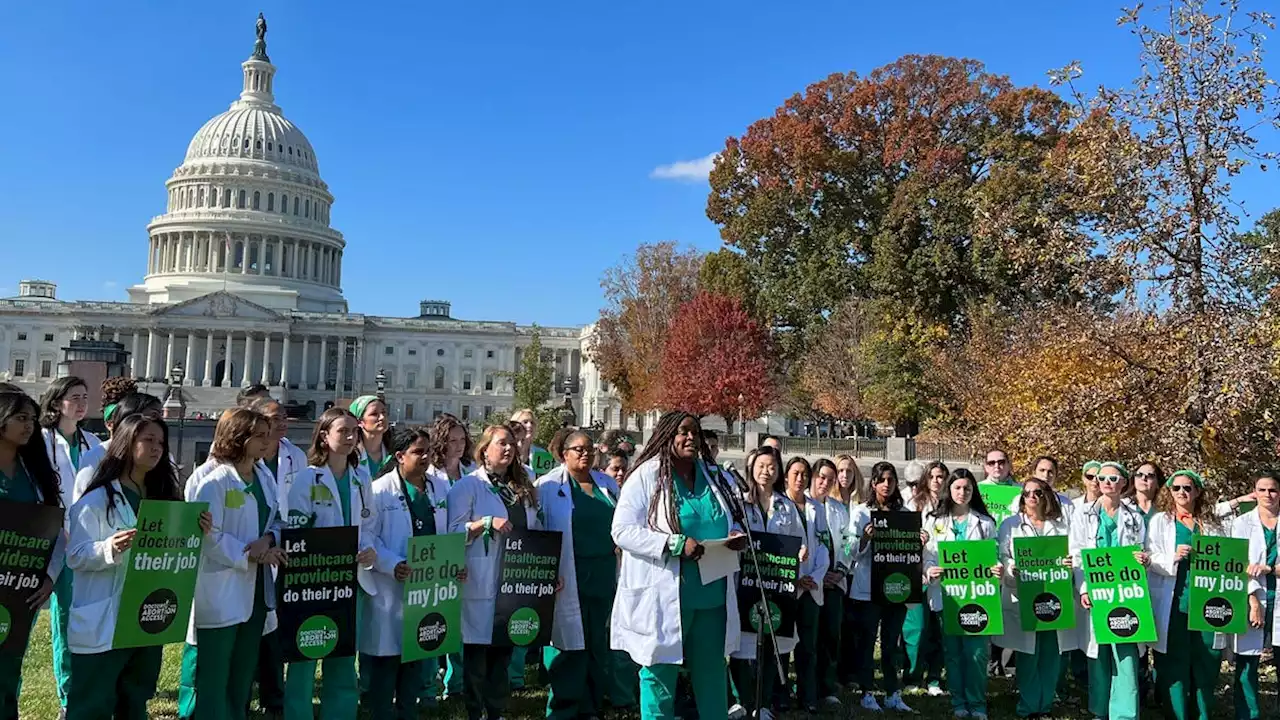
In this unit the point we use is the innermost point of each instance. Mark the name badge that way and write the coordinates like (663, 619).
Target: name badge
(234, 499)
(320, 493)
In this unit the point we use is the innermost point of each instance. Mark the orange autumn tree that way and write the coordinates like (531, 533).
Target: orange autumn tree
(717, 360)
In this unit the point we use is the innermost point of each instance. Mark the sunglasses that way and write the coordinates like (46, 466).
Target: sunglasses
(1091, 476)
(1001, 461)
(581, 449)
(1144, 476)
(1112, 479)
(1033, 493)
(1183, 488)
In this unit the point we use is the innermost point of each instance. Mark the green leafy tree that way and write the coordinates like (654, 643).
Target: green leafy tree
(730, 274)
(532, 380)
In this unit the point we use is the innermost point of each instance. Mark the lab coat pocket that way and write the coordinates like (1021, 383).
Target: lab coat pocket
(642, 618)
(91, 626)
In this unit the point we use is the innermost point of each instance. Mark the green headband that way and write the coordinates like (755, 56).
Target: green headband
(1124, 471)
(1091, 465)
(359, 405)
(1195, 478)
(108, 411)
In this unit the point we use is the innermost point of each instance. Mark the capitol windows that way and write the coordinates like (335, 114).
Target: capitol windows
(468, 353)
(253, 258)
(488, 382)
(489, 354)
(408, 411)
(19, 367)
(439, 352)
(46, 368)
(411, 380)
(271, 202)
(226, 198)
(439, 378)
(307, 212)
(268, 254)
(257, 200)
(240, 200)
(295, 205)
(284, 203)
(238, 261)
(199, 197)
(290, 149)
(388, 350)
(466, 381)
(257, 144)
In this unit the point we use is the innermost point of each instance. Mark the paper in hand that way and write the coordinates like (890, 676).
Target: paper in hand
(717, 561)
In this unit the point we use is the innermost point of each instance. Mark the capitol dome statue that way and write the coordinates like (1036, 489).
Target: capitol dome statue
(247, 211)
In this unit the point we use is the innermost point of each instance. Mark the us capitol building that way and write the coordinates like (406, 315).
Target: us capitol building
(244, 285)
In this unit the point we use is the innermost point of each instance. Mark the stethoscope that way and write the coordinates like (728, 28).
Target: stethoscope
(403, 496)
(81, 444)
(365, 512)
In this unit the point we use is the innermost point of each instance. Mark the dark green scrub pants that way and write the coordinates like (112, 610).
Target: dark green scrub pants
(394, 686)
(113, 685)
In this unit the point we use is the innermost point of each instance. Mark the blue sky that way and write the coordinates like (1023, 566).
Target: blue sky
(496, 154)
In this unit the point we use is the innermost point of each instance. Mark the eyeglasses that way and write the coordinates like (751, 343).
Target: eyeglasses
(1144, 476)
(1037, 493)
(1001, 461)
(1183, 488)
(1091, 476)
(1112, 479)
(581, 449)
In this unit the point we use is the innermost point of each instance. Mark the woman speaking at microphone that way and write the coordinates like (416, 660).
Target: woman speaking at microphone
(407, 503)
(107, 683)
(332, 492)
(578, 502)
(675, 499)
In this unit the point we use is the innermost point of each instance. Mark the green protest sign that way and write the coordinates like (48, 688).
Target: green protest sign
(999, 499)
(541, 461)
(1117, 585)
(970, 593)
(1218, 579)
(433, 596)
(1046, 590)
(160, 575)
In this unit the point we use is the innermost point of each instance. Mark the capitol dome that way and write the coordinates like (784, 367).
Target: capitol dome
(247, 210)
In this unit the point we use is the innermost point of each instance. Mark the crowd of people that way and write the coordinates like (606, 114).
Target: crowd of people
(635, 626)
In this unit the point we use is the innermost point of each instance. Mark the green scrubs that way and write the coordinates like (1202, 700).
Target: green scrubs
(60, 602)
(1246, 687)
(580, 677)
(339, 696)
(1113, 675)
(1188, 669)
(17, 489)
(830, 617)
(922, 636)
(122, 679)
(1037, 675)
(702, 614)
(218, 671)
(966, 659)
(270, 654)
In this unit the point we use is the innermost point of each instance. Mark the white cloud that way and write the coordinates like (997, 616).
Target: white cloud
(685, 170)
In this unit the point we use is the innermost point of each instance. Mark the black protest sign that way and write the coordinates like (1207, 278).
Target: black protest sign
(317, 590)
(896, 558)
(27, 535)
(527, 579)
(776, 564)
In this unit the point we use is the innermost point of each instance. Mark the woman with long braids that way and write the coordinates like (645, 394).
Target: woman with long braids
(1259, 527)
(27, 477)
(374, 446)
(103, 524)
(333, 491)
(407, 503)
(922, 626)
(578, 502)
(1108, 523)
(114, 413)
(62, 408)
(495, 498)
(674, 499)
(235, 587)
(961, 514)
(885, 621)
(1038, 654)
(1187, 662)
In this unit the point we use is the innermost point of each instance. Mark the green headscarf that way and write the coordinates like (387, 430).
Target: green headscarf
(1124, 471)
(108, 411)
(360, 404)
(1092, 464)
(1195, 478)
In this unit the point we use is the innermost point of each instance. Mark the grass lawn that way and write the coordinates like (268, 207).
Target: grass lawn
(40, 701)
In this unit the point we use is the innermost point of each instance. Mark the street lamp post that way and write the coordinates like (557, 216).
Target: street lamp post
(567, 415)
(176, 405)
(742, 421)
(381, 380)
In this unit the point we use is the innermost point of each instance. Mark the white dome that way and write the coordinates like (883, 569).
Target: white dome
(252, 131)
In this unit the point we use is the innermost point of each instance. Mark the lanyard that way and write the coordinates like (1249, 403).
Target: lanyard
(404, 498)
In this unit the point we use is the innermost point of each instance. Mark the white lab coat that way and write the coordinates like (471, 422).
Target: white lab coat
(225, 585)
(440, 476)
(555, 499)
(290, 461)
(1015, 638)
(60, 456)
(1083, 535)
(89, 462)
(1162, 575)
(646, 611)
(308, 507)
(472, 498)
(382, 625)
(942, 529)
(836, 518)
(99, 570)
(859, 519)
(1249, 527)
(784, 520)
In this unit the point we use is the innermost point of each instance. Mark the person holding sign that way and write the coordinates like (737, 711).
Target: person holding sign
(835, 583)
(1108, 523)
(1038, 654)
(579, 503)
(103, 526)
(233, 590)
(486, 504)
(333, 491)
(961, 515)
(406, 503)
(1258, 526)
(523, 436)
(922, 627)
(883, 620)
(815, 561)
(133, 403)
(674, 500)
(450, 455)
(1187, 662)
(27, 477)
(374, 446)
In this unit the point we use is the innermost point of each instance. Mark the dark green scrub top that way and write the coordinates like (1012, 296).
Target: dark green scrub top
(1108, 531)
(1268, 607)
(344, 496)
(73, 448)
(20, 488)
(701, 518)
(421, 510)
(1183, 535)
(133, 498)
(593, 551)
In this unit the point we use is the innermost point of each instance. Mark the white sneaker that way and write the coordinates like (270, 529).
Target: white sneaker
(831, 701)
(935, 691)
(737, 712)
(962, 713)
(869, 703)
(895, 703)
